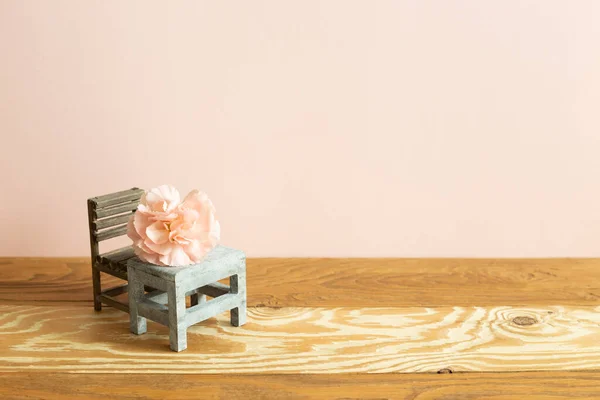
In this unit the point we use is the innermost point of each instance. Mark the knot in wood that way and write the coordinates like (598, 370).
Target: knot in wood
(445, 371)
(524, 321)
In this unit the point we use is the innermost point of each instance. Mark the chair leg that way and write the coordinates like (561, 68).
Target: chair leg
(238, 315)
(177, 324)
(238, 285)
(197, 298)
(137, 323)
(97, 288)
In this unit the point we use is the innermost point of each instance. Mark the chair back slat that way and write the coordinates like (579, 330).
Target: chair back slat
(112, 199)
(111, 233)
(111, 221)
(116, 209)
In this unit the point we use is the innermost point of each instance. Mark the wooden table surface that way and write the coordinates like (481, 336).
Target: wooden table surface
(317, 328)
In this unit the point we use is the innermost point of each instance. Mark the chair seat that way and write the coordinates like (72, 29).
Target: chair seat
(116, 261)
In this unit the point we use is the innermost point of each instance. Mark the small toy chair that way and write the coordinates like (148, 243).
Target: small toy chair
(167, 303)
(108, 216)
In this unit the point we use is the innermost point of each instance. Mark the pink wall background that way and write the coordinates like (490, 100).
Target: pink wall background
(318, 128)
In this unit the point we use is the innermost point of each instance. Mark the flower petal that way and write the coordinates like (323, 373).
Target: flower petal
(161, 249)
(176, 258)
(131, 232)
(158, 232)
(141, 221)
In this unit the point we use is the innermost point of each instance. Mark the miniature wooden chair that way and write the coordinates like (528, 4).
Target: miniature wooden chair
(108, 216)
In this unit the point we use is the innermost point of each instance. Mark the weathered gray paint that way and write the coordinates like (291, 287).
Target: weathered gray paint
(149, 280)
(196, 280)
(157, 296)
(177, 317)
(238, 286)
(156, 312)
(137, 323)
(217, 262)
(216, 306)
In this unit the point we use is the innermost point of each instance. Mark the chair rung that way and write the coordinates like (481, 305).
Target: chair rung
(157, 296)
(112, 292)
(155, 311)
(109, 301)
(214, 289)
(201, 312)
(121, 274)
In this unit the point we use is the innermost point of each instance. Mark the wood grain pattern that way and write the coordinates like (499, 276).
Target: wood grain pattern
(306, 340)
(307, 282)
(48, 280)
(48, 329)
(485, 386)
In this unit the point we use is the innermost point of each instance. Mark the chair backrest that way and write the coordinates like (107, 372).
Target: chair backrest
(108, 216)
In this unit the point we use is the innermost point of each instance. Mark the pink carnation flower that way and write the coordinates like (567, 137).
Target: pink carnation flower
(170, 232)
